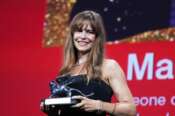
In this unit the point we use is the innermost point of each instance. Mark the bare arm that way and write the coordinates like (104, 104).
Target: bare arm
(117, 81)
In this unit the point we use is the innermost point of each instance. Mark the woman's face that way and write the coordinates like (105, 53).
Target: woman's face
(84, 38)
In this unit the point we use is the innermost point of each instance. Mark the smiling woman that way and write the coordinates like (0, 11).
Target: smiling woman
(94, 76)
(84, 38)
(85, 44)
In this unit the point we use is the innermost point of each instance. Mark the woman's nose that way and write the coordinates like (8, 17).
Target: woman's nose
(83, 34)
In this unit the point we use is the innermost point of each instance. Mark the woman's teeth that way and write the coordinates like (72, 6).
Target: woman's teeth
(82, 43)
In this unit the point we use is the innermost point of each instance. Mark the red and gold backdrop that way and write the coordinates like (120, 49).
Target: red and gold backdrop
(28, 62)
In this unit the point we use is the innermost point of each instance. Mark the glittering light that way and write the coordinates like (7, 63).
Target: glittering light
(167, 34)
(172, 39)
(105, 9)
(124, 27)
(116, 42)
(111, 0)
(56, 22)
(119, 19)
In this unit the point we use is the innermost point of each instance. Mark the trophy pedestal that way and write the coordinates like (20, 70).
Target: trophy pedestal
(60, 101)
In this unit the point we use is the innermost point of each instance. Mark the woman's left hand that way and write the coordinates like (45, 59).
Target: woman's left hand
(87, 104)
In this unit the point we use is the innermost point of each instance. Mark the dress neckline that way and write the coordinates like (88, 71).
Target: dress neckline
(82, 76)
(77, 75)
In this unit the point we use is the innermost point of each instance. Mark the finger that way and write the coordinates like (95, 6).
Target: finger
(78, 105)
(88, 109)
(78, 97)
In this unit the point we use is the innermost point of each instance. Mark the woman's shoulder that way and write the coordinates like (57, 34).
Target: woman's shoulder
(110, 63)
(111, 68)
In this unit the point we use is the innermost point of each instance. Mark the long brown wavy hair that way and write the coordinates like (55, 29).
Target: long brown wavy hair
(95, 59)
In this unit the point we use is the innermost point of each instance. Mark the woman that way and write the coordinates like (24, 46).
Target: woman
(84, 61)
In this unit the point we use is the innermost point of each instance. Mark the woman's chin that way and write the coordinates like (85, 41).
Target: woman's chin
(83, 50)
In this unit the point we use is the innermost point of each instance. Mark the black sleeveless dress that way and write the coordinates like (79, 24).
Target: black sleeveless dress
(98, 89)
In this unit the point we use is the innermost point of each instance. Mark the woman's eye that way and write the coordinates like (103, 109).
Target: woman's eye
(87, 31)
(90, 31)
(79, 30)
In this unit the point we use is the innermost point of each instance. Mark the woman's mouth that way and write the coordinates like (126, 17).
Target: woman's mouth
(83, 43)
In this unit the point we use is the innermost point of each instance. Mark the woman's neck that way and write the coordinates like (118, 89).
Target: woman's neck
(82, 58)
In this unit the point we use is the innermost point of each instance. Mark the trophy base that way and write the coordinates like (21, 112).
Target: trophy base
(60, 101)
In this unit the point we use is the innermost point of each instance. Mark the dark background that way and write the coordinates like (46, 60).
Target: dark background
(124, 18)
